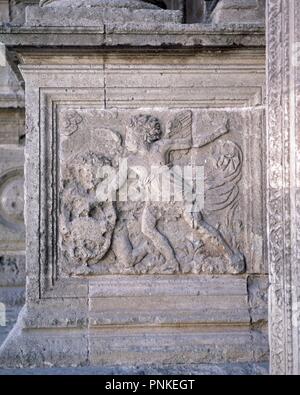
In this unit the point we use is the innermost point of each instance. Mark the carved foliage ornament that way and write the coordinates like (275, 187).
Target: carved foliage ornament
(72, 120)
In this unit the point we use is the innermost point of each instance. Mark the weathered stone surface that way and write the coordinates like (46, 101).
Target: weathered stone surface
(47, 350)
(258, 287)
(193, 8)
(196, 11)
(12, 126)
(120, 115)
(119, 121)
(96, 12)
(12, 270)
(283, 185)
(183, 369)
(239, 11)
(11, 93)
(12, 296)
(133, 282)
(12, 231)
(12, 291)
(9, 315)
(129, 4)
(4, 10)
(167, 345)
(137, 35)
(16, 12)
(129, 346)
(167, 300)
(84, 244)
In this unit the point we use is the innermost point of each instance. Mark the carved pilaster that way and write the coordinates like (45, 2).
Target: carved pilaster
(283, 149)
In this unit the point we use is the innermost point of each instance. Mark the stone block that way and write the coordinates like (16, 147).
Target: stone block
(49, 349)
(258, 287)
(61, 314)
(136, 35)
(167, 300)
(145, 80)
(94, 13)
(172, 345)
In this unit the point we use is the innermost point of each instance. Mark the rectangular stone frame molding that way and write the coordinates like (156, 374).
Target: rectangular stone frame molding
(50, 88)
(283, 195)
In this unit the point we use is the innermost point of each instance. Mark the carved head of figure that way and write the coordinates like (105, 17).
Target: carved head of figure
(142, 131)
(83, 171)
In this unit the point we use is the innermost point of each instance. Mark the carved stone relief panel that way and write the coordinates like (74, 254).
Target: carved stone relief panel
(111, 115)
(129, 187)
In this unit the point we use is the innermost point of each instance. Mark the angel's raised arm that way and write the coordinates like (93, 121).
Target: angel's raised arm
(177, 144)
(207, 139)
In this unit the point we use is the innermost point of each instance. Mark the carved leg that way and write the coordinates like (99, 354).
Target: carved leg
(160, 242)
(209, 233)
(122, 247)
(139, 253)
(126, 254)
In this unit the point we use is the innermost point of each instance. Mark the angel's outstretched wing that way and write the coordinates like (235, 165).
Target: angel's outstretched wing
(180, 126)
(222, 180)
